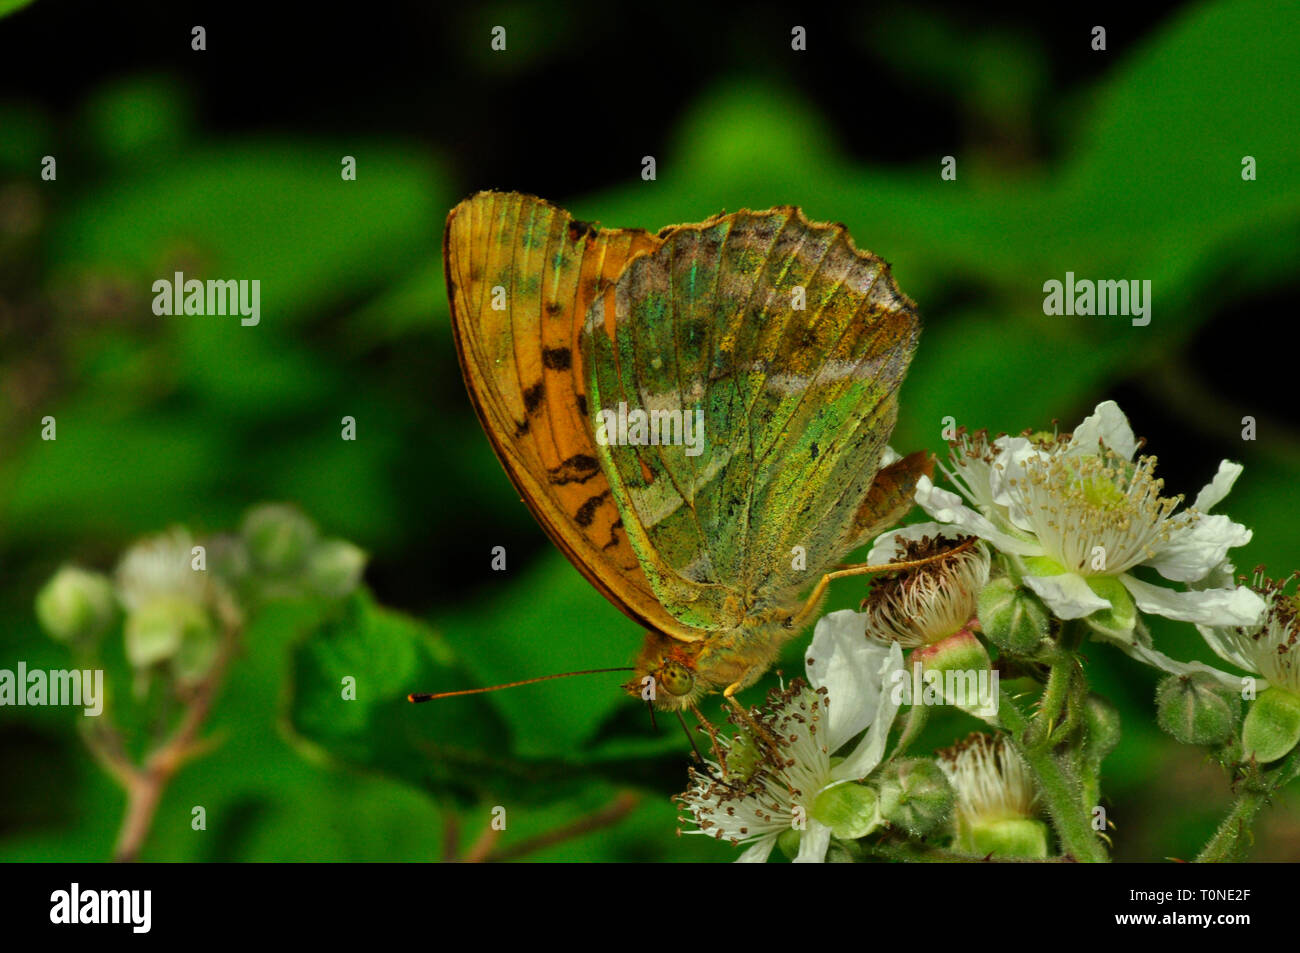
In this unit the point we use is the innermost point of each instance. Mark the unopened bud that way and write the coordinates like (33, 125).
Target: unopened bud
(1197, 710)
(279, 537)
(76, 605)
(334, 567)
(1013, 618)
(915, 795)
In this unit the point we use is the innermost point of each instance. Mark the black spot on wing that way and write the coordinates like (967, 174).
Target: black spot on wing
(578, 468)
(613, 534)
(587, 511)
(557, 358)
(533, 397)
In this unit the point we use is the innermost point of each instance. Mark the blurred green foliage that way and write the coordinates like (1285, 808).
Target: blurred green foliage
(164, 419)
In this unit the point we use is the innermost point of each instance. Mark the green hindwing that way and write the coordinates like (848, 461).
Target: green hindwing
(742, 397)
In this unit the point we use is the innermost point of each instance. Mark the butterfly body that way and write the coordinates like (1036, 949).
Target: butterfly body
(785, 342)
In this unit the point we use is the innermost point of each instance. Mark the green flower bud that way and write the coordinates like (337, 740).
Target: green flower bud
(1272, 725)
(76, 605)
(334, 567)
(156, 631)
(1013, 618)
(1102, 724)
(915, 795)
(1197, 710)
(279, 537)
(849, 810)
(1009, 837)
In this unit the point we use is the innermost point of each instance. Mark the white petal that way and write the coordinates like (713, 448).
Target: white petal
(890, 455)
(1008, 468)
(842, 661)
(948, 508)
(1157, 659)
(1197, 545)
(759, 851)
(1067, 595)
(871, 748)
(813, 844)
(1224, 647)
(1214, 491)
(1107, 425)
(886, 546)
(1240, 606)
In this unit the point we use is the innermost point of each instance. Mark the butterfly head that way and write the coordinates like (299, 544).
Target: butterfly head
(668, 673)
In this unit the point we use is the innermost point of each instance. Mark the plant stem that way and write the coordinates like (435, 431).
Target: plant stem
(145, 784)
(1053, 702)
(1225, 845)
(1059, 787)
(613, 812)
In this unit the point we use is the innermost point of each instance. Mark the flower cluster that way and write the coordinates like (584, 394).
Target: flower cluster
(1043, 539)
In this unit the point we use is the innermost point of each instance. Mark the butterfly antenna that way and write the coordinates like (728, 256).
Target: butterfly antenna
(430, 696)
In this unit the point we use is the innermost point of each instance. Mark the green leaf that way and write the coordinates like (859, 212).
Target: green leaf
(455, 749)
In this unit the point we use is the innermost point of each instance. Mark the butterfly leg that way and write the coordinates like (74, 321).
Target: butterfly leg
(800, 618)
(759, 731)
(718, 754)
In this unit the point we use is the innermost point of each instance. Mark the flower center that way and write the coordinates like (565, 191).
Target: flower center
(1274, 644)
(1096, 514)
(765, 803)
(927, 604)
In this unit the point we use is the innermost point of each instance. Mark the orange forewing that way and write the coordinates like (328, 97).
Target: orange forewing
(521, 274)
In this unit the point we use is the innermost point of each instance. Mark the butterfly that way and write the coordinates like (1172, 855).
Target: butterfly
(775, 335)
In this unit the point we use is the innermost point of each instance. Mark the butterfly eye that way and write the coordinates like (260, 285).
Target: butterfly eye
(676, 678)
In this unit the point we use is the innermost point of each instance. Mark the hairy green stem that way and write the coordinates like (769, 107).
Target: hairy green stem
(1063, 679)
(1226, 844)
(1060, 788)
(1053, 703)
